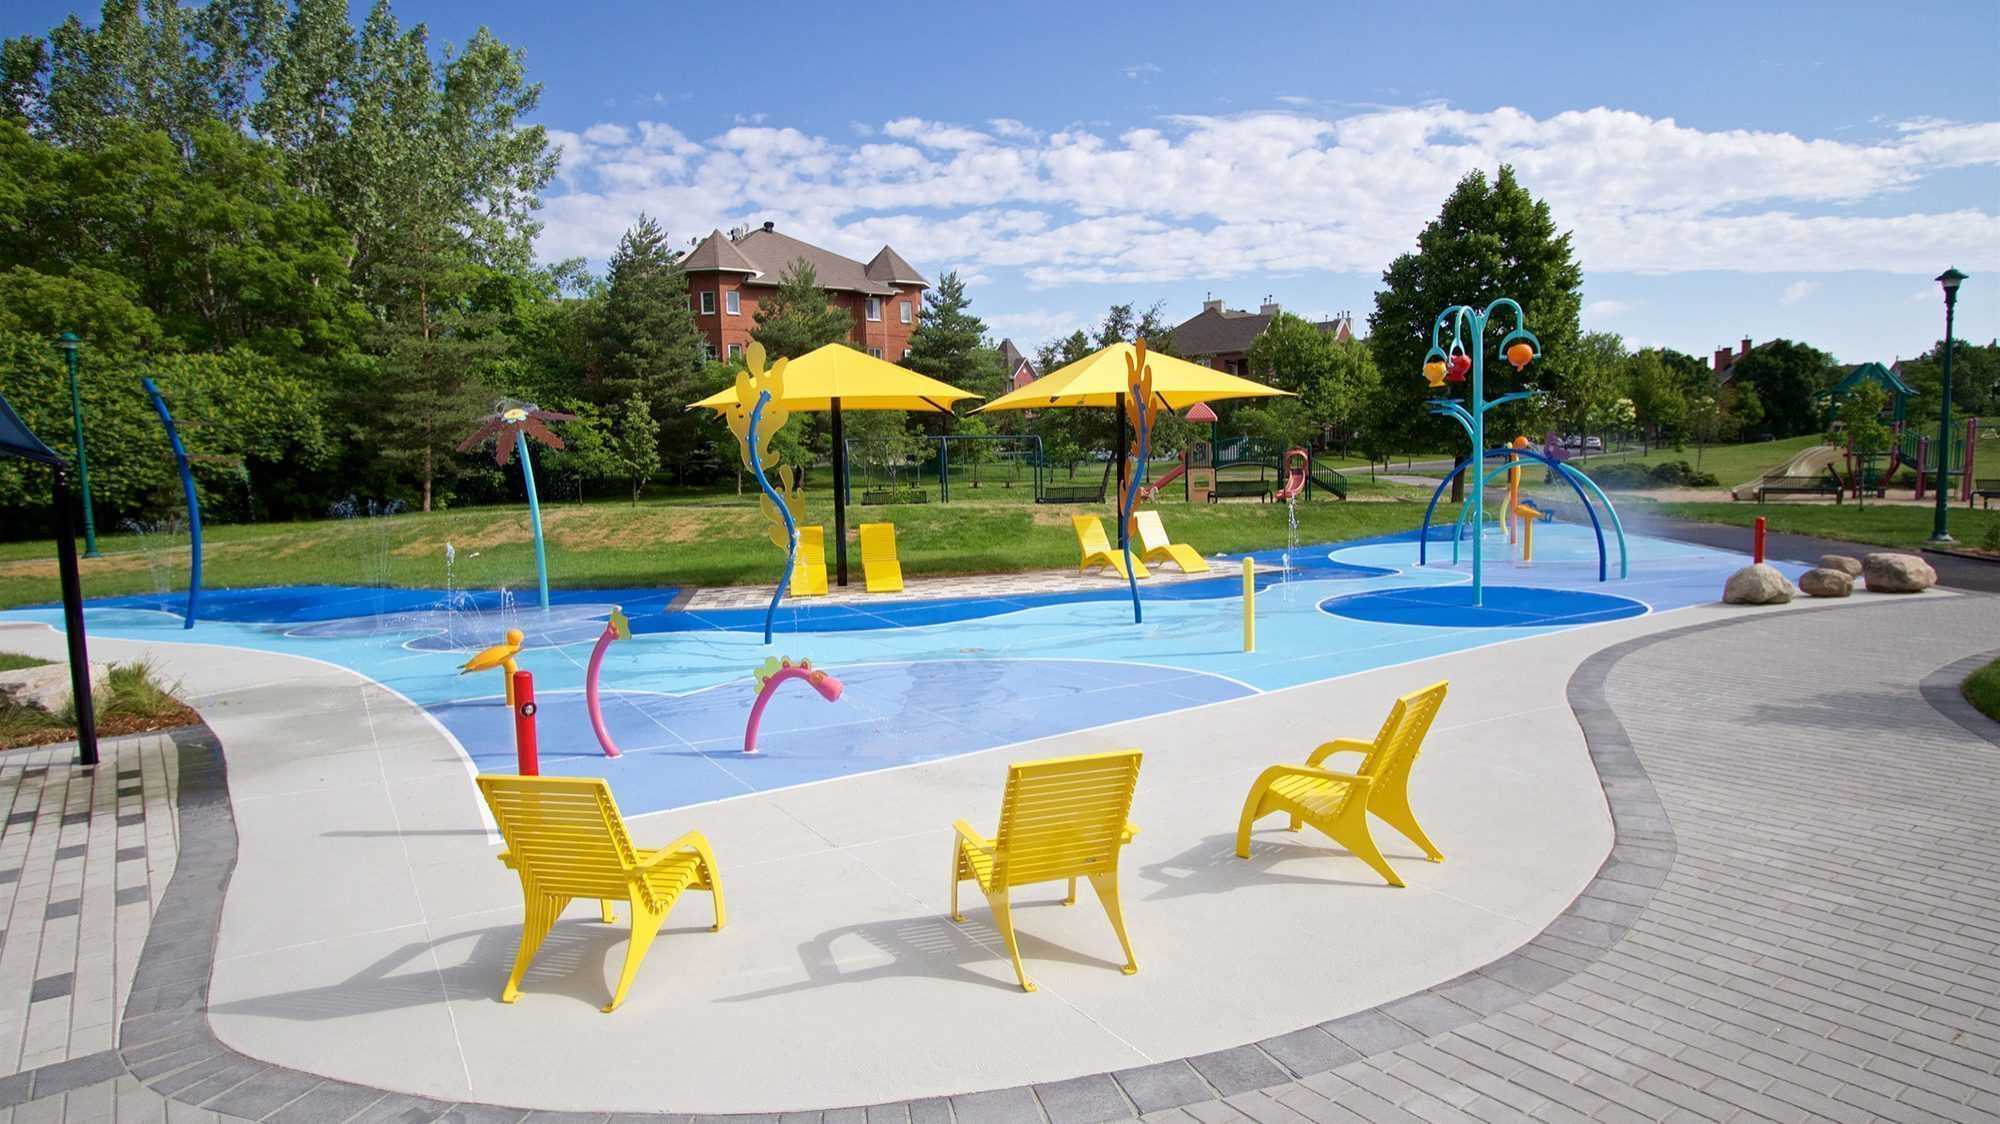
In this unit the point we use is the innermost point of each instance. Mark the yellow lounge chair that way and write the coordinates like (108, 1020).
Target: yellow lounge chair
(878, 558)
(809, 572)
(1061, 818)
(565, 837)
(1098, 550)
(1154, 546)
(1338, 803)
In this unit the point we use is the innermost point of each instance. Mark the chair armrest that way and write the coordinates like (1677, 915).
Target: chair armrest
(966, 833)
(1131, 829)
(689, 841)
(1316, 772)
(507, 857)
(1339, 745)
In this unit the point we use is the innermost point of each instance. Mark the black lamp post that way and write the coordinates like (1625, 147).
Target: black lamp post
(67, 342)
(1940, 532)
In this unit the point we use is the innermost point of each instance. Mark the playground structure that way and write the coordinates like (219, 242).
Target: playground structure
(525, 420)
(1838, 471)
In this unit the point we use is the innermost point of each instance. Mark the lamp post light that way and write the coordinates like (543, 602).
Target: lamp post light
(1940, 531)
(67, 342)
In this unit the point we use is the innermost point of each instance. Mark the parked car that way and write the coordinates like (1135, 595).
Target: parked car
(1593, 444)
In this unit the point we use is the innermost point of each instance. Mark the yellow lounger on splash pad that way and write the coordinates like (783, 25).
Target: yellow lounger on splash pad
(809, 574)
(878, 558)
(1154, 545)
(1097, 549)
(1061, 818)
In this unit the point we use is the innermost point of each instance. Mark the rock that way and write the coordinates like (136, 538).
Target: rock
(1897, 573)
(1849, 566)
(1828, 581)
(1757, 585)
(45, 687)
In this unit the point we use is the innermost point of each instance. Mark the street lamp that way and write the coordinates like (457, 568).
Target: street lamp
(68, 341)
(1940, 532)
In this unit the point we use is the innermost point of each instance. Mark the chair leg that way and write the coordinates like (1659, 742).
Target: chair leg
(604, 911)
(1350, 830)
(1252, 808)
(1003, 920)
(542, 911)
(957, 876)
(1071, 900)
(1394, 809)
(645, 926)
(1298, 821)
(1106, 885)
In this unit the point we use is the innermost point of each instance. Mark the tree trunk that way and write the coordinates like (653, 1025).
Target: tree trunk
(427, 480)
(1458, 482)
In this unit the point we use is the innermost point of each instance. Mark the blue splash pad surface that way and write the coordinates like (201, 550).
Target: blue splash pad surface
(1502, 606)
(925, 679)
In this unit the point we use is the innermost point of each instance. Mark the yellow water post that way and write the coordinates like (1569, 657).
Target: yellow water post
(1249, 606)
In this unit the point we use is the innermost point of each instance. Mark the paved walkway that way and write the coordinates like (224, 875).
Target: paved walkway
(1796, 923)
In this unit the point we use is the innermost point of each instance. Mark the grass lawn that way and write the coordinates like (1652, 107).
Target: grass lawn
(1982, 689)
(132, 700)
(15, 661)
(713, 541)
(1878, 524)
(1732, 464)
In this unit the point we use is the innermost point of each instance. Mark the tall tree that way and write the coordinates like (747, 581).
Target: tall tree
(637, 443)
(1975, 382)
(647, 344)
(1658, 402)
(797, 318)
(949, 343)
(1490, 240)
(1789, 378)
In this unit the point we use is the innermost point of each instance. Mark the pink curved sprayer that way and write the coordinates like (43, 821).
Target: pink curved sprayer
(776, 671)
(617, 628)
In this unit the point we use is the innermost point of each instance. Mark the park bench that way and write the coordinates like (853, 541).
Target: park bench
(1985, 491)
(1826, 484)
(1229, 489)
(1072, 493)
(895, 495)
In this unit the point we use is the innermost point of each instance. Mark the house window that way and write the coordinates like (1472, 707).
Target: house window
(733, 302)
(708, 304)
(876, 352)
(906, 353)
(904, 307)
(708, 349)
(874, 308)
(735, 349)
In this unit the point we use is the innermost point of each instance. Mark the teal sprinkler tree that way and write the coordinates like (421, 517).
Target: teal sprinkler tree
(1453, 365)
(520, 420)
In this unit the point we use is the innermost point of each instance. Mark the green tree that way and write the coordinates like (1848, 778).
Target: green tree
(1741, 410)
(1658, 402)
(949, 343)
(1860, 416)
(1585, 390)
(797, 318)
(1789, 379)
(646, 343)
(1490, 240)
(1332, 377)
(1975, 383)
(637, 443)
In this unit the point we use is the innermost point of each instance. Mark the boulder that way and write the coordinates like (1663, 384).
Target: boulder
(45, 687)
(1897, 573)
(1827, 581)
(1849, 566)
(1757, 585)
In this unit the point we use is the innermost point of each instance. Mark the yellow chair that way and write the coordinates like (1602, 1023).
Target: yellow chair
(565, 837)
(878, 558)
(1061, 818)
(1150, 536)
(809, 572)
(1098, 550)
(1338, 803)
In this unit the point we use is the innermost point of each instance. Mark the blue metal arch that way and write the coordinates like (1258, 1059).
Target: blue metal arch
(193, 500)
(1568, 475)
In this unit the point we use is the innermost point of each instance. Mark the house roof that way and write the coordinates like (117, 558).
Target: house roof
(1219, 331)
(766, 254)
(1883, 375)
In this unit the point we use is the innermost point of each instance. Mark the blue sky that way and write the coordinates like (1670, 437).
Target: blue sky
(1729, 170)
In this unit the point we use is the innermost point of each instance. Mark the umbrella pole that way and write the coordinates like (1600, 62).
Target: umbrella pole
(839, 499)
(72, 598)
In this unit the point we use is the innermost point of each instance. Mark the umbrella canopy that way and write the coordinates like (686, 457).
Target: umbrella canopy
(859, 380)
(1099, 379)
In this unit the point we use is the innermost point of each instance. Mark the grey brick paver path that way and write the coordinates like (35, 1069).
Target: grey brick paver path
(1799, 921)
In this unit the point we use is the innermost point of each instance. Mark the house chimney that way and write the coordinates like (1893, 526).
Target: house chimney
(1268, 308)
(769, 227)
(1211, 306)
(1722, 359)
(1746, 348)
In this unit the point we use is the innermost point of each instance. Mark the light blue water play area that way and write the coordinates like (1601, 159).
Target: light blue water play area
(924, 679)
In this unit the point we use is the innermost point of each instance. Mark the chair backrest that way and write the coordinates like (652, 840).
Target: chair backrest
(812, 546)
(1064, 817)
(1402, 735)
(563, 833)
(878, 542)
(1090, 533)
(1152, 534)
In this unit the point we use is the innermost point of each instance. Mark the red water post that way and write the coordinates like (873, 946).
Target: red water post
(1758, 550)
(524, 725)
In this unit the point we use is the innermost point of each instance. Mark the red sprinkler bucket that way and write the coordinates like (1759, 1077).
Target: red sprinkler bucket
(1756, 540)
(524, 725)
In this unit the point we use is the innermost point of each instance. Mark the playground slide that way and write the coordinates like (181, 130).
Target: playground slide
(1148, 492)
(1811, 462)
(1297, 463)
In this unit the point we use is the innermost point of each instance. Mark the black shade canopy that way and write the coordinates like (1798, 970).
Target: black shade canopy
(17, 440)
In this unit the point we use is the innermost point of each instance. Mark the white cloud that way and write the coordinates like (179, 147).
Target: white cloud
(1139, 68)
(1798, 291)
(1607, 309)
(1279, 193)
(1029, 327)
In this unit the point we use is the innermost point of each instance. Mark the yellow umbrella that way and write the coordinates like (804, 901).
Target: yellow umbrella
(1100, 379)
(837, 377)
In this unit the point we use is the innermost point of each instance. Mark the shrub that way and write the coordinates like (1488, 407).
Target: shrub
(1666, 474)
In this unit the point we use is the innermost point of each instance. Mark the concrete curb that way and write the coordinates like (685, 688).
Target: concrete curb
(1941, 690)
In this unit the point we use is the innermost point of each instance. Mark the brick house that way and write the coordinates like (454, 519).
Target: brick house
(1020, 369)
(1219, 337)
(728, 275)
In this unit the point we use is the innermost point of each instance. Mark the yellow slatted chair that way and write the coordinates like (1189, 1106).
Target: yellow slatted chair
(809, 573)
(1150, 535)
(1062, 818)
(1098, 550)
(565, 838)
(878, 558)
(1338, 803)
